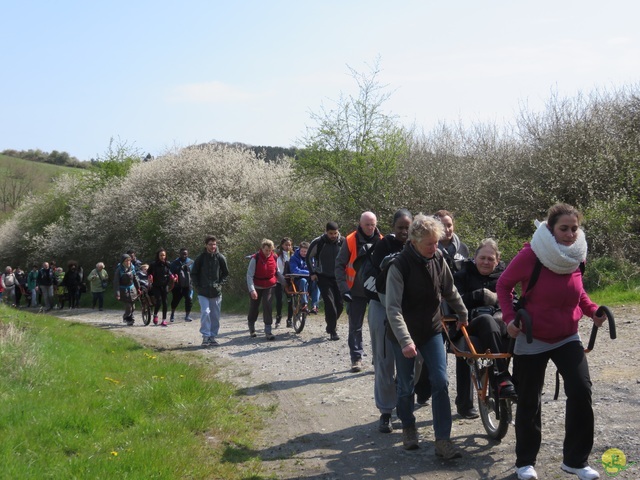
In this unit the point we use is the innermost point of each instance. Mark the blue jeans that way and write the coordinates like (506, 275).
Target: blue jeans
(301, 285)
(435, 359)
(209, 315)
(315, 294)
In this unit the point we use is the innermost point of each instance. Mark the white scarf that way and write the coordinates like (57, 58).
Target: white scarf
(560, 259)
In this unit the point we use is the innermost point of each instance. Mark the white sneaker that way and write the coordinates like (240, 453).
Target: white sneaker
(526, 473)
(584, 473)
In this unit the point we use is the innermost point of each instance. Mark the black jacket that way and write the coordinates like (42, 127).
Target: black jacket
(161, 272)
(471, 284)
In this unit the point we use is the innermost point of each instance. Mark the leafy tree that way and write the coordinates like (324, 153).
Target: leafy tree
(354, 149)
(117, 160)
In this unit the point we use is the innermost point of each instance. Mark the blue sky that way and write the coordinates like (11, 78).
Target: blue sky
(159, 74)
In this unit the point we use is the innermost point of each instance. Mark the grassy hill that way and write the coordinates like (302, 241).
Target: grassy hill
(18, 177)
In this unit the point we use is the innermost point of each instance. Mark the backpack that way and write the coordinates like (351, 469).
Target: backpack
(381, 278)
(184, 276)
(367, 273)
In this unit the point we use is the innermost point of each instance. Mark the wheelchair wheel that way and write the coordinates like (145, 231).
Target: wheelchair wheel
(495, 417)
(299, 319)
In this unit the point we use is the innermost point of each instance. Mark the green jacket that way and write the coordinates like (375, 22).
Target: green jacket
(208, 274)
(96, 278)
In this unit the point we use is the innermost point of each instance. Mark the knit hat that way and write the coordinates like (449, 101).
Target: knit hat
(124, 257)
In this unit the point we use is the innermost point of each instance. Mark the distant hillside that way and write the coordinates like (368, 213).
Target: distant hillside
(19, 177)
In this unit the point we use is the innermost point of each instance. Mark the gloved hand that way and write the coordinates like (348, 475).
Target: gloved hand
(489, 297)
(347, 297)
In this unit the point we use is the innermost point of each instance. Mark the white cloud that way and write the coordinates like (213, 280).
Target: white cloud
(210, 92)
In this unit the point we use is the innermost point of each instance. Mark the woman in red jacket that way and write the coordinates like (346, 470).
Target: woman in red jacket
(262, 276)
(556, 303)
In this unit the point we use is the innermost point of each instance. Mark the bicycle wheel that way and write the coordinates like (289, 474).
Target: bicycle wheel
(299, 319)
(146, 313)
(495, 417)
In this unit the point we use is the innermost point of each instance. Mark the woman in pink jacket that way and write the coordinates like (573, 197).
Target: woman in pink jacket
(556, 303)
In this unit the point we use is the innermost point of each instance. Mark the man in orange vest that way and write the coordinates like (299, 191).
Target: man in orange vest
(351, 254)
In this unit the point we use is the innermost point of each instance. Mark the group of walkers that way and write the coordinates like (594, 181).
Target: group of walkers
(427, 273)
(48, 286)
(407, 281)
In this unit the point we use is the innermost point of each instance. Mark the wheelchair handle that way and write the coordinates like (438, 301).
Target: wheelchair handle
(594, 329)
(522, 316)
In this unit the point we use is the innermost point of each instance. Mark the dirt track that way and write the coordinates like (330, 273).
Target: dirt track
(325, 423)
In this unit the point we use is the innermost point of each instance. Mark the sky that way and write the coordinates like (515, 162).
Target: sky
(156, 75)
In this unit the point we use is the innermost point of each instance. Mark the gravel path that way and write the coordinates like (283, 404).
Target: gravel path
(324, 426)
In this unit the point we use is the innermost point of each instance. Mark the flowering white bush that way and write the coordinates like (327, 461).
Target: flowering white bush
(171, 202)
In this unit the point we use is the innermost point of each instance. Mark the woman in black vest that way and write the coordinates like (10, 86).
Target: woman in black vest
(417, 281)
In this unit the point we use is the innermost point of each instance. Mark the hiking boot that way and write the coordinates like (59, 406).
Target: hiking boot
(469, 414)
(584, 473)
(213, 342)
(527, 473)
(410, 438)
(269, 336)
(447, 450)
(252, 333)
(334, 336)
(356, 366)
(384, 424)
(206, 342)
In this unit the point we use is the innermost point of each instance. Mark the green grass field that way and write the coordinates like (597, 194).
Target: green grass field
(79, 402)
(37, 175)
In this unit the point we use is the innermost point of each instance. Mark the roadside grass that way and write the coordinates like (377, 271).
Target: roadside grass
(80, 402)
(622, 293)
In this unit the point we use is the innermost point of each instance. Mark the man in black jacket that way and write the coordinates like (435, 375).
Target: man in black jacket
(44, 283)
(355, 248)
(321, 261)
(208, 274)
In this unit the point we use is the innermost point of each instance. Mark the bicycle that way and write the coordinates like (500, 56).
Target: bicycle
(146, 305)
(299, 313)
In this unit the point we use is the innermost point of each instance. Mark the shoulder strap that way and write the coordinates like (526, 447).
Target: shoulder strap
(534, 276)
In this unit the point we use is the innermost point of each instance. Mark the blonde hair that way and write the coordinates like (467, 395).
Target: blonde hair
(267, 243)
(425, 226)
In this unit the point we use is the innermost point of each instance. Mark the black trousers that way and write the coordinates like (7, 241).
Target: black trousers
(265, 296)
(486, 333)
(177, 294)
(279, 292)
(529, 372)
(333, 304)
(160, 296)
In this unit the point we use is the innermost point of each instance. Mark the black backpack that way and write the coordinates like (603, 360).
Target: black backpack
(368, 273)
(381, 278)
